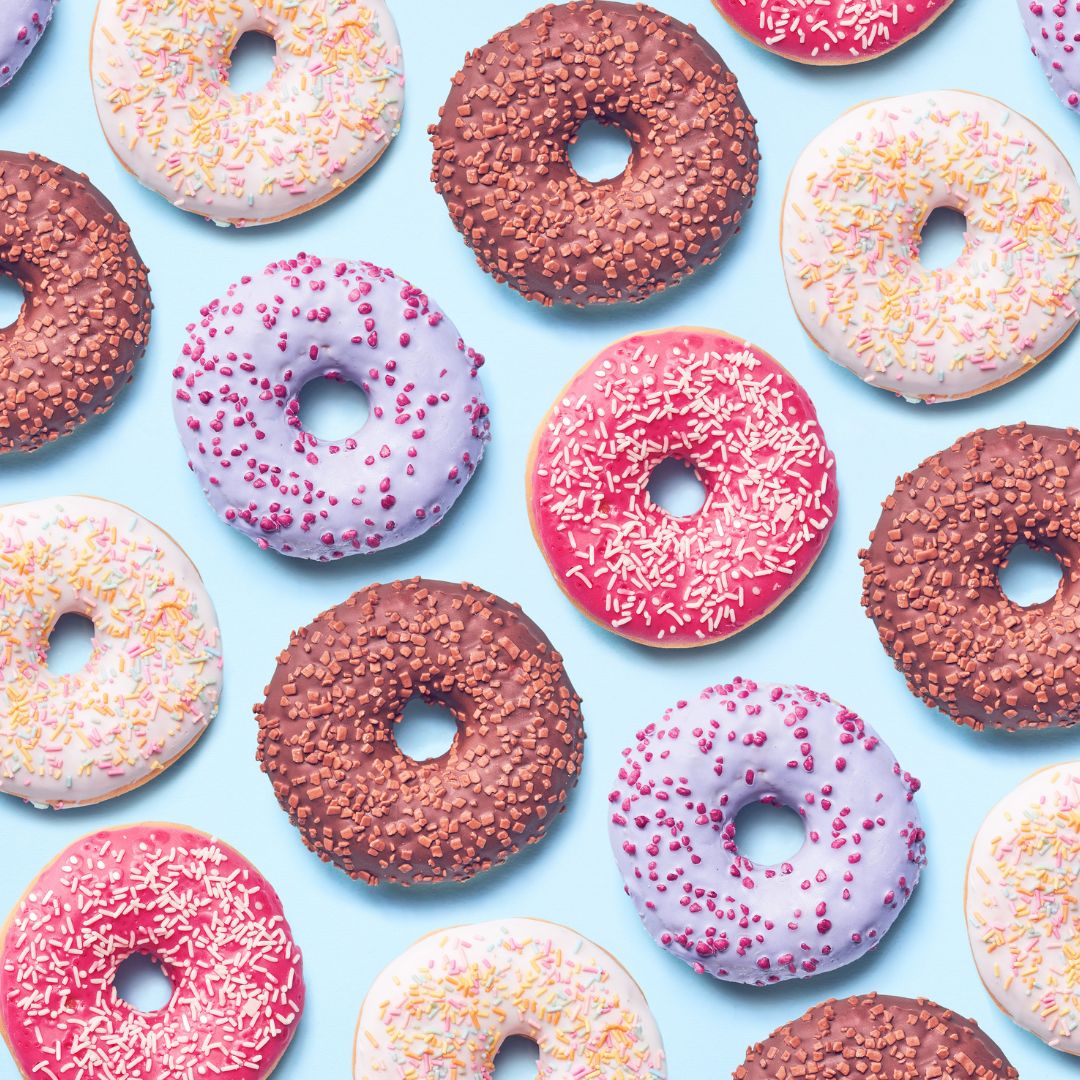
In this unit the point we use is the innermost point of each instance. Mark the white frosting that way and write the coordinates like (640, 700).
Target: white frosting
(332, 106)
(153, 680)
(855, 206)
(443, 1008)
(1023, 905)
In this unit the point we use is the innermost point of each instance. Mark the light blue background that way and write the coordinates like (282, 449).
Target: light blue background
(820, 637)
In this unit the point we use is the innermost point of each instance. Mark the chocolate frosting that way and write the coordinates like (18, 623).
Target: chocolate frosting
(876, 1035)
(931, 578)
(326, 732)
(86, 318)
(501, 157)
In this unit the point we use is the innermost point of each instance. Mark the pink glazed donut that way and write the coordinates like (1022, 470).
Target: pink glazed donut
(749, 431)
(236, 405)
(190, 903)
(672, 829)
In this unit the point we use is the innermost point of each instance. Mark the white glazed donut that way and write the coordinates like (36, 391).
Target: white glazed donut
(856, 203)
(160, 78)
(445, 1006)
(153, 680)
(1021, 904)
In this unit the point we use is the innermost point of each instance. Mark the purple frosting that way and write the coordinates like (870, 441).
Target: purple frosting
(236, 407)
(1054, 30)
(673, 833)
(22, 22)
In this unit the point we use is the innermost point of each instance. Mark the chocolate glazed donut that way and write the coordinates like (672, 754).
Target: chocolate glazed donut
(877, 1035)
(501, 157)
(86, 317)
(931, 578)
(326, 732)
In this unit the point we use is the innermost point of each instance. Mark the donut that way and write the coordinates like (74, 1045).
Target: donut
(326, 733)
(160, 75)
(450, 1000)
(1054, 31)
(236, 403)
(852, 220)
(672, 827)
(152, 683)
(835, 32)
(878, 1035)
(86, 315)
(930, 578)
(192, 905)
(1021, 899)
(752, 437)
(21, 25)
(501, 153)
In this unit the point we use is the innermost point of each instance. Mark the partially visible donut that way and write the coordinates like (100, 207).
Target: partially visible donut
(189, 903)
(1053, 27)
(160, 72)
(1021, 901)
(733, 414)
(22, 22)
(833, 32)
(153, 681)
(894, 1037)
(501, 157)
(450, 1001)
(326, 732)
(931, 586)
(86, 318)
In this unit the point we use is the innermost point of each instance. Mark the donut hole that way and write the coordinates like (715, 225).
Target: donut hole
(768, 832)
(599, 151)
(518, 1059)
(331, 408)
(251, 64)
(942, 238)
(676, 488)
(1031, 575)
(426, 730)
(140, 982)
(12, 300)
(71, 644)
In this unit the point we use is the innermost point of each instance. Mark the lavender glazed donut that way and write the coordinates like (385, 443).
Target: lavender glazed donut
(1053, 27)
(672, 829)
(22, 22)
(237, 408)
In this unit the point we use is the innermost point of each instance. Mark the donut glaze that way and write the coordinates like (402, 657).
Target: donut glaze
(193, 905)
(930, 578)
(901, 1038)
(853, 215)
(751, 434)
(326, 733)
(86, 315)
(22, 22)
(501, 153)
(236, 404)
(1054, 31)
(672, 829)
(1022, 895)
(457, 994)
(835, 32)
(160, 73)
(152, 683)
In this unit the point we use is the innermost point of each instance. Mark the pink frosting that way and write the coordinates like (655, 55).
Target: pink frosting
(751, 434)
(835, 32)
(190, 903)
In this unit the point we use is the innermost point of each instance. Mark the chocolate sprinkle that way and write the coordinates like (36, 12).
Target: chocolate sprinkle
(876, 1035)
(86, 317)
(501, 157)
(931, 578)
(326, 732)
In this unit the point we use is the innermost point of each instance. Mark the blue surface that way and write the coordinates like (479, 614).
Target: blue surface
(819, 637)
